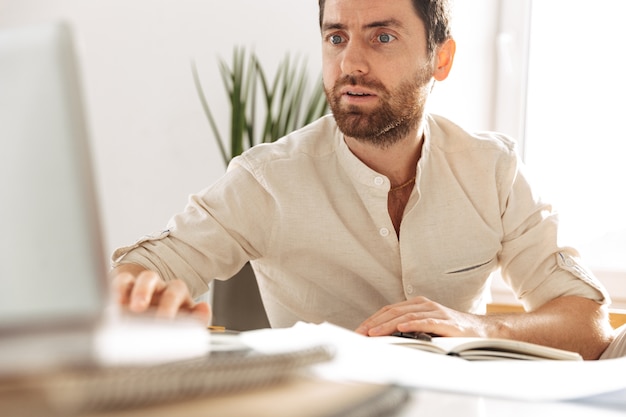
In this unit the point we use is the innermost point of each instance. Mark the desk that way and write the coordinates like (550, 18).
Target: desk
(441, 385)
(617, 317)
(284, 401)
(308, 397)
(425, 403)
(299, 397)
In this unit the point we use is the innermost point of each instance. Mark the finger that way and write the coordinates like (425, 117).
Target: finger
(145, 291)
(388, 327)
(411, 322)
(387, 319)
(384, 322)
(121, 285)
(425, 324)
(386, 314)
(202, 312)
(175, 297)
(444, 322)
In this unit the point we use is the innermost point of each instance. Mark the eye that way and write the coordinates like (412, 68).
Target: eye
(335, 39)
(385, 38)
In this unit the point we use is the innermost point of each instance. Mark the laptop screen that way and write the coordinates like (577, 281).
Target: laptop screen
(52, 266)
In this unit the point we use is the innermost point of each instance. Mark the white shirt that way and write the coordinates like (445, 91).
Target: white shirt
(313, 221)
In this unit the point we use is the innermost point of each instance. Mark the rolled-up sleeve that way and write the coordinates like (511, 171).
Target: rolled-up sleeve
(220, 229)
(535, 263)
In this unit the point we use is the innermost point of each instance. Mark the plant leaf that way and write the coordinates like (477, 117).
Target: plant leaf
(288, 104)
(207, 111)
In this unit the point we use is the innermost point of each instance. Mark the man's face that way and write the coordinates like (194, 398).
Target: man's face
(377, 74)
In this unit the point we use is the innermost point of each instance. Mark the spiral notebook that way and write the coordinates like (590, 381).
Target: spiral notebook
(54, 290)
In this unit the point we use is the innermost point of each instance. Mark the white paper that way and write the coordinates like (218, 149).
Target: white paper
(362, 359)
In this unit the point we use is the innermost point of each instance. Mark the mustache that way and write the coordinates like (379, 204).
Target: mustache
(359, 80)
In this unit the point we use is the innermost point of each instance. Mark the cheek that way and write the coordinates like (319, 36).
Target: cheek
(330, 73)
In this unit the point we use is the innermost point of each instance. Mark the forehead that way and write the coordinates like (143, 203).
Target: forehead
(356, 14)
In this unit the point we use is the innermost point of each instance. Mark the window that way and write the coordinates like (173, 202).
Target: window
(573, 138)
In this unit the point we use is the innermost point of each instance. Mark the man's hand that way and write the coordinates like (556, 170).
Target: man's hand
(422, 315)
(140, 290)
(569, 322)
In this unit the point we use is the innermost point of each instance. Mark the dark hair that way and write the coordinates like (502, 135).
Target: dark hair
(434, 13)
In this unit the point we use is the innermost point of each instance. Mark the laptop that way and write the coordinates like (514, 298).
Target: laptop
(53, 287)
(54, 297)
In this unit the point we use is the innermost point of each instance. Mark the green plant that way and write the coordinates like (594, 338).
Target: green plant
(286, 101)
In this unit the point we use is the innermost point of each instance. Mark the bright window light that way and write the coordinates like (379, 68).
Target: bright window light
(575, 138)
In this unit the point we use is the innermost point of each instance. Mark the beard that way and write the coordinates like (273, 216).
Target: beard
(400, 111)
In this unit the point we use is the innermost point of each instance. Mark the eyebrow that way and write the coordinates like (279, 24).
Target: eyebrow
(376, 24)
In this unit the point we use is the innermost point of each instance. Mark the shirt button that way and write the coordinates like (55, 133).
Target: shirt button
(384, 232)
(409, 289)
(569, 262)
(379, 180)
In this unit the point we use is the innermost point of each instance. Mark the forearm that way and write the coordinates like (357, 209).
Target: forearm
(571, 323)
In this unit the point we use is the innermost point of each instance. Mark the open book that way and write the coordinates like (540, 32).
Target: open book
(477, 348)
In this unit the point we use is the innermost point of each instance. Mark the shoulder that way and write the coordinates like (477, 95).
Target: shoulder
(315, 141)
(451, 138)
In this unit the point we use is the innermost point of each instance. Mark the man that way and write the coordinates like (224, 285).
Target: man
(381, 217)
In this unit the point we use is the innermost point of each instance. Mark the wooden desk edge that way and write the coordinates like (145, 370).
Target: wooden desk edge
(617, 316)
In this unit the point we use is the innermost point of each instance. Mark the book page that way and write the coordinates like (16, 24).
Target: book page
(477, 348)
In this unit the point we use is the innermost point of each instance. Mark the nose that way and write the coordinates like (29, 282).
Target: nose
(354, 59)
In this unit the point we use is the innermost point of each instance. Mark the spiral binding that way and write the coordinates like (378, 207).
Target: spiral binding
(122, 387)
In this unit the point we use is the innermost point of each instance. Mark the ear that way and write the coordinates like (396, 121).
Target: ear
(444, 59)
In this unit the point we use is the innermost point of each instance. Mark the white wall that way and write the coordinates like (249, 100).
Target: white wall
(152, 146)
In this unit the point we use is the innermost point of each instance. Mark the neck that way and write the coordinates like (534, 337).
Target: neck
(397, 162)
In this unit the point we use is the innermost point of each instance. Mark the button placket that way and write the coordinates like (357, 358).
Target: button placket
(380, 181)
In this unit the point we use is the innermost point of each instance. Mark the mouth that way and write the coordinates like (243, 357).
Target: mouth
(357, 94)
